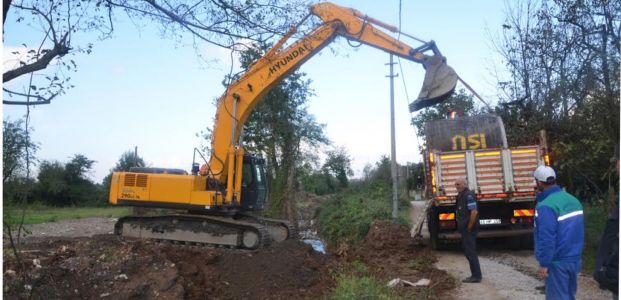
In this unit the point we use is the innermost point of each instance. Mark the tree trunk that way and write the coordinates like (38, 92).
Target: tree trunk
(5, 8)
(290, 199)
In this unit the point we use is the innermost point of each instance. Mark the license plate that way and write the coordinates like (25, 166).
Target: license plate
(489, 221)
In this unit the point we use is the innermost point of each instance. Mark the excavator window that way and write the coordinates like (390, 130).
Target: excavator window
(259, 169)
(247, 177)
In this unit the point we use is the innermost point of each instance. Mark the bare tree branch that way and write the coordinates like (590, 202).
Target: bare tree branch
(39, 99)
(58, 51)
(224, 23)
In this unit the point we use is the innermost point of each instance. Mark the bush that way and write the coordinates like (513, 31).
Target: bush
(595, 217)
(347, 217)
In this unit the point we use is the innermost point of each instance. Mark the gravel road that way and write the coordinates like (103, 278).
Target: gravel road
(507, 274)
(72, 228)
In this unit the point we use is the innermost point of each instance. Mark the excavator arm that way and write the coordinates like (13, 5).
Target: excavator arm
(240, 98)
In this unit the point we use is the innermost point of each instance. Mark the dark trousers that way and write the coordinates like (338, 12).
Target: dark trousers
(469, 244)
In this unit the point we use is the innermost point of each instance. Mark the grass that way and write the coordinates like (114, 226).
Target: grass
(347, 217)
(37, 215)
(352, 288)
(595, 217)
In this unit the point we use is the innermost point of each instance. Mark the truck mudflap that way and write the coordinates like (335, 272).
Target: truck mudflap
(196, 229)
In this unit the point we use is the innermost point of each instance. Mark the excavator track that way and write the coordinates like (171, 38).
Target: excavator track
(279, 230)
(199, 229)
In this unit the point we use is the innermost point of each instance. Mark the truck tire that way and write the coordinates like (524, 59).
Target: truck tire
(432, 224)
(527, 242)
(514, 242)
(524, 242)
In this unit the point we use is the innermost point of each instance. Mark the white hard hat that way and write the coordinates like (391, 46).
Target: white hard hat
(545, 174)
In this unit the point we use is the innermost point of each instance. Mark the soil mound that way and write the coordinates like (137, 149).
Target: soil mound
(389, 252)
(107, 267)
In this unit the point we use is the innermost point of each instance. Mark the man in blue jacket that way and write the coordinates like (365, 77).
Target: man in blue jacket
(559, 236)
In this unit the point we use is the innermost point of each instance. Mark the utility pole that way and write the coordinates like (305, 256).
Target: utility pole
(393, 151)
(135, 156)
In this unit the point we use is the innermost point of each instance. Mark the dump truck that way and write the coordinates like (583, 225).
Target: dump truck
(475, 148)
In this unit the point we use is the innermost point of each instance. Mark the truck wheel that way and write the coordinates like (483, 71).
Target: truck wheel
(433, 240)
(515, 242)
(524, 242)
(432, 223)
(527, 242)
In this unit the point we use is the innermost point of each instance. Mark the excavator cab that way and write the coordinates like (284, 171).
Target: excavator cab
(254, 184)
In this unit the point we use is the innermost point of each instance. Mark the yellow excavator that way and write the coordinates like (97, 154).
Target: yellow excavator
(219, 198)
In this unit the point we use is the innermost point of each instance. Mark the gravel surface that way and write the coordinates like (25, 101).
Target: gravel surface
(507, 274)
(72, 228)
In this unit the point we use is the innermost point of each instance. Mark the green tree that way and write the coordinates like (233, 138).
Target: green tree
(78, 167)
(52, 184)
(67, 184)
(128, 160)
(382, 171)
(17, 148)
(338, 165)
(416, 176)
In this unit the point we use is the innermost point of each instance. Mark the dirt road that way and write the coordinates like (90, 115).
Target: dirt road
(507, 274)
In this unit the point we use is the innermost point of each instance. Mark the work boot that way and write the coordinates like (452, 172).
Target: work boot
(471, 280)
(541, 289)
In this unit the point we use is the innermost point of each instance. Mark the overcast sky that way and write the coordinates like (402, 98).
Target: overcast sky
(137, 89)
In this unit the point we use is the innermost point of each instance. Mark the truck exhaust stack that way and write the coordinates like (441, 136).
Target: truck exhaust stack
(438, 85)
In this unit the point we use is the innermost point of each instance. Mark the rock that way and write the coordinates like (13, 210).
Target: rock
(121, 276)
(399, 281)
(37, 263)
(422, 282)
(394, 282)
(104, 295)
(10, 273)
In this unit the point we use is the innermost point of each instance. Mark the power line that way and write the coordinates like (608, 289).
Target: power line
(405, 88)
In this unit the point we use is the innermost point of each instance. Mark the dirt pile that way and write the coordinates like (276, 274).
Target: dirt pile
(106, 267)
(389, 252)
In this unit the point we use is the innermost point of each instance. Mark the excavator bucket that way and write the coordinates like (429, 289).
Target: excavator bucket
(439, 84)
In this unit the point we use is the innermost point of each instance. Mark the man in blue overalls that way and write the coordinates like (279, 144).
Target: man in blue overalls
(559, 236)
